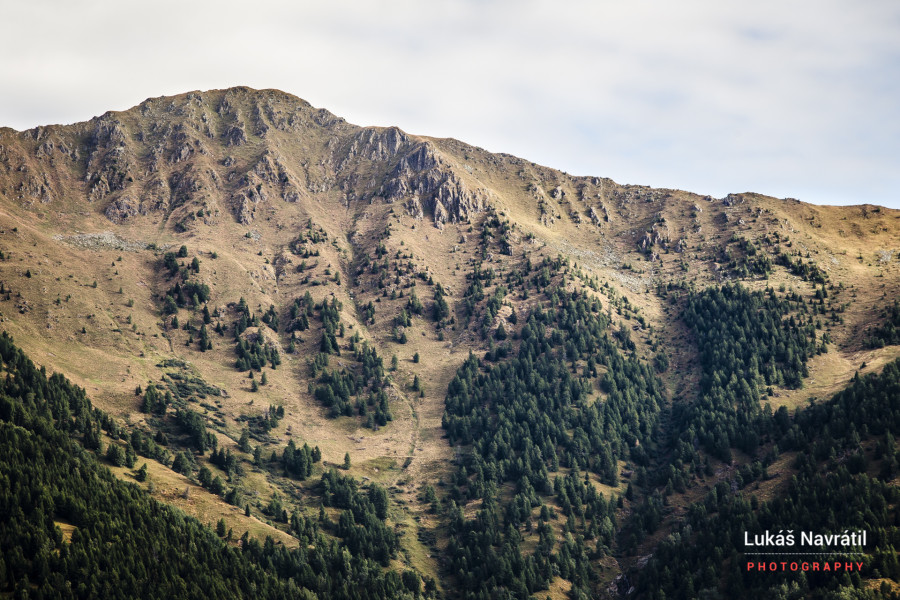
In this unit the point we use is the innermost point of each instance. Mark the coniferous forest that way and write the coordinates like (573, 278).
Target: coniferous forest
(541, 422)
(126, 545)
(261, 352)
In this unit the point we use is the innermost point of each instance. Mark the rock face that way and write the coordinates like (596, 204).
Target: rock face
(111, 162)
(233, 152)
(195, 159)
(123, 208)
(424, 182)
(374, 145)
(269, 177)
(263, 335)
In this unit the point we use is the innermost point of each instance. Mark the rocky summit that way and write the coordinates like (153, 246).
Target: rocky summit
(299, 357)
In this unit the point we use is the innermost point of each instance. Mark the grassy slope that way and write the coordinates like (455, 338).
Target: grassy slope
(110, 363)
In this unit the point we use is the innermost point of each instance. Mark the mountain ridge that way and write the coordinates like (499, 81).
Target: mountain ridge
(199, 241)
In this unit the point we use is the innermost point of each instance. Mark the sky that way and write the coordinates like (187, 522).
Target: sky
(788, 98)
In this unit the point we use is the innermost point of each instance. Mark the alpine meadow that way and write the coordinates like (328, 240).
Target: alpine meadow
(250, 350)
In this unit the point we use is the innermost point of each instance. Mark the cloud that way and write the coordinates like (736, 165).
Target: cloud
(787, 98)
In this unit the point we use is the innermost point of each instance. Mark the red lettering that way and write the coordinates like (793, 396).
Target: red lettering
(859, 566)
(750, 566)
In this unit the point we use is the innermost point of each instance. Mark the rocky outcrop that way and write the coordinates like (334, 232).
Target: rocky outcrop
(263, 335)
(598, 217)
(657, 236)
(156, 196)
(374, 145)
(235, 136)
(187, 186)
(35, 187)
(269, 177)
(245, 201)
(123, 208)
(425, 183)
(110, 163)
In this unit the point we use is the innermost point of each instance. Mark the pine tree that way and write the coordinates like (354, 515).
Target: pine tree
(141, 474)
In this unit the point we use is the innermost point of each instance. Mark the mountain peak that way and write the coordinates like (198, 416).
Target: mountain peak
(229, 273)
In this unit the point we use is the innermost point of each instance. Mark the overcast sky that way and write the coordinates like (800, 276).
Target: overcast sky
(787, 98)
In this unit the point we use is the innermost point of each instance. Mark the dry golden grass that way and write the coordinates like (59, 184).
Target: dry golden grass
(113, 356)
(876, 584)
(66, 528)
(830, 373)
(780, 473)
(208, 508)
(559, 589)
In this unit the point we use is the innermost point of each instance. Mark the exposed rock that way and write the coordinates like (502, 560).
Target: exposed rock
(245, 202)
(376, 145)
(263, 335)
(235, 136)
(123, 208)
(657, 236)
(36, 188)
(261, 127)
(156, 195)
(101, 241)
(426, 183)
(186, 186)
(732, 199)
(110, 164)
(268, 176)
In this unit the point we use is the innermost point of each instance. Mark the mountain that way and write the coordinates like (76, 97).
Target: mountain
(563, 365)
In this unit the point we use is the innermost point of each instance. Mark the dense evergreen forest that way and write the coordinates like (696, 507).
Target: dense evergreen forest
(428, 371)
(557, 405)
(566, 405)
(748, 343)
(845, 454)
(888, 333)
(567, 402)
(127, 545)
